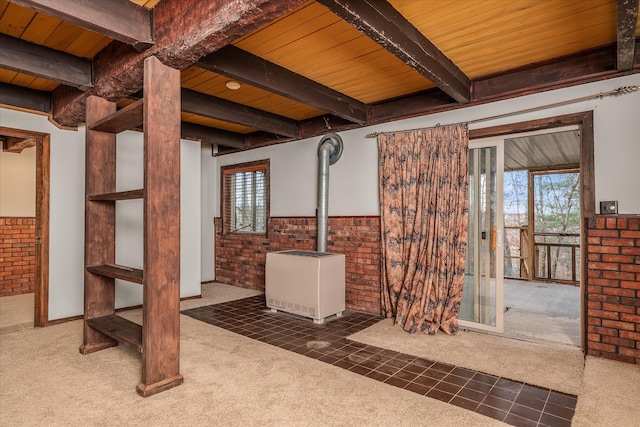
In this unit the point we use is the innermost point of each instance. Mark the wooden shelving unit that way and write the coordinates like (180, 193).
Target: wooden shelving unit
(158, 338)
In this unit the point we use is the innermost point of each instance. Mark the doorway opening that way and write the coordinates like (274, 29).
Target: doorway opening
(524, 267)
(41, 141)
(542, 231)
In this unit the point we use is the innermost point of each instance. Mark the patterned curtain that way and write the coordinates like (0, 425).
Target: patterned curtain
(424, 208)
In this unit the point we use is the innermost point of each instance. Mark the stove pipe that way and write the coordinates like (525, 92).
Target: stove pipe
(329, 152)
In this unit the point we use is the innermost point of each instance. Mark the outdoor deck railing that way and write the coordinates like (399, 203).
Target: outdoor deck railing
(551, 261)
(550, 266)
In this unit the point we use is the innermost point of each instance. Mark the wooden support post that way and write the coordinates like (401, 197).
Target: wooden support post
(161, 305)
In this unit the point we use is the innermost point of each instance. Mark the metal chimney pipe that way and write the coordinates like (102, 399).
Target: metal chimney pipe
(323, 195)
(329, 151)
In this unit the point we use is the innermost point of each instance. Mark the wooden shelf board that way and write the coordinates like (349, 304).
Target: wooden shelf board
(120, 329)
(117, 272)
(129, 117)
(120, 195)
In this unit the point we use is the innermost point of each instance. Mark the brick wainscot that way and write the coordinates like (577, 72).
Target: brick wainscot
(17, 255)
(613, 288)
(240, 258)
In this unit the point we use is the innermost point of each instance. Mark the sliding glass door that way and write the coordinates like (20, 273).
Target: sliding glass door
(482, 297)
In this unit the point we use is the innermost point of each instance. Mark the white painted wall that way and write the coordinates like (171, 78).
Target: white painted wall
(66, 219)
(18, 183)
(66, 249)
(353, 184)
(353, 188)
(129, 216)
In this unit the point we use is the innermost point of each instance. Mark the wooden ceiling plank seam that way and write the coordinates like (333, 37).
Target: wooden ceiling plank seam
(6, 76)
(307, 19)
(121, 20)
(3, 6)
(209, 106)
(43, 85)
(245, 67)
(362, 78)
(215, 85)
(627, 23)
(196, 79)
(321, 49)
(98, 47)
(84, 44)
(189, 73)
(15, 20)
(63, 36)
(502, 18)
(381, 22)
(40, 28)
(542, 41)
(536, 16)
(326, 48)
(540, 29)
(36, 60)
(24, 80)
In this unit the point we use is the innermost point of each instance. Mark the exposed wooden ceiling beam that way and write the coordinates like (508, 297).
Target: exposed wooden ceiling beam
(378, 20)
(595, 65)
(584, 67)
(208, 106)
(212, 136)
(626, 34)
(121, 20)
(238, 64)
(29, 58)
(184, 31)
(187, 130)
(413, 105)
(24, 98)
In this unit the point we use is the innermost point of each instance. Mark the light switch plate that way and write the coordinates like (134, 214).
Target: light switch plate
(609, 208)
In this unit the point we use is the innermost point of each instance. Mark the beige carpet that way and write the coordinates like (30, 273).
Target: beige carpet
(231, 380)
(16, 312)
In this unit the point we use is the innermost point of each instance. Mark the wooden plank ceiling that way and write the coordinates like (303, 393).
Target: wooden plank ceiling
(309, 67)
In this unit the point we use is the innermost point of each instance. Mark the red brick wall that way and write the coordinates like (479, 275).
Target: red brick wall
(240, 259)
(613, 288)
(17, 255)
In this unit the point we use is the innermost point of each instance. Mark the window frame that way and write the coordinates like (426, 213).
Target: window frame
(225, 195)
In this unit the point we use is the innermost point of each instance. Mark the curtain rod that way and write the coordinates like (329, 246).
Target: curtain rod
(619, 91)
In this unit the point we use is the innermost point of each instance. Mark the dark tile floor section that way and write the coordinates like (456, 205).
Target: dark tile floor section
(513, 402)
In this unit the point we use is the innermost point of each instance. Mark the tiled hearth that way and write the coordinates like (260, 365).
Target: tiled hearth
(513, 402)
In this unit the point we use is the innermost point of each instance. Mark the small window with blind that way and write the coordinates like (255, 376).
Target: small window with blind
(245, 197)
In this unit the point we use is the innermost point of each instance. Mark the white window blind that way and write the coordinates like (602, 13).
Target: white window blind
(245, 201)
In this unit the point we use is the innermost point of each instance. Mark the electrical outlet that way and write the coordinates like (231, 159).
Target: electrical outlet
(609, 208)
